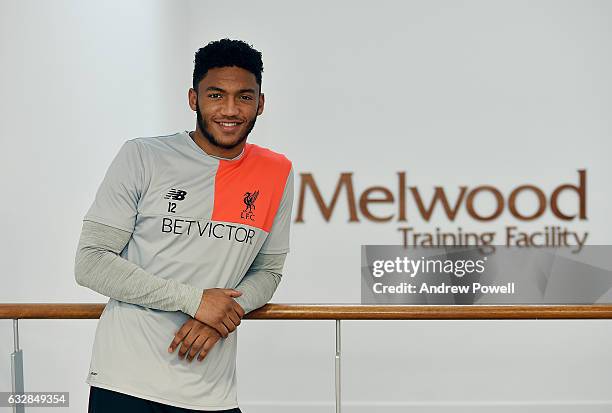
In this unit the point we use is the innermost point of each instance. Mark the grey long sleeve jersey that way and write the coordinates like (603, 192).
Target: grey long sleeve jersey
(99, 267)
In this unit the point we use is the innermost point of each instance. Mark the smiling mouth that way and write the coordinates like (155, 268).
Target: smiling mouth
(228, 126)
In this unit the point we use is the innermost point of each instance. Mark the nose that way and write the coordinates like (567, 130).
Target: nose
(229, 108)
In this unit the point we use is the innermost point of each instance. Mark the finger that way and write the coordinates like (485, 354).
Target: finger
(179, 336)
(227, 322)
(210, 343)
(202, 355)
(222, 329)
(239, 310)
(232, 293)
(187, 342)
(196, 347)
(207, 347)
(234, 317)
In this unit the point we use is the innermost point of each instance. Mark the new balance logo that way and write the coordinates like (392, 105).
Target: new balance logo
(176, 194)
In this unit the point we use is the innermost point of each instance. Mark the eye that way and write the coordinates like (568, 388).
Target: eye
(246, 97)
(215, 95)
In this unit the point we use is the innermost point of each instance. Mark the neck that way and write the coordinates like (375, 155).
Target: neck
(214, 150)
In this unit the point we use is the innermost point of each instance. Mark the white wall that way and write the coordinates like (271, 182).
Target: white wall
(453, 93)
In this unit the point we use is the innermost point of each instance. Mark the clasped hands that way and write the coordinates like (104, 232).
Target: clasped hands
(218, 315)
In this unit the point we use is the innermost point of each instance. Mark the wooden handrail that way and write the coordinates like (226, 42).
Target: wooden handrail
(343, 312)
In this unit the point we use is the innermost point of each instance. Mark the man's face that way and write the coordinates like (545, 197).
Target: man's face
(227, 104)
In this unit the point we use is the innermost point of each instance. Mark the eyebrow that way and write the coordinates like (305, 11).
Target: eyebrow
(218, 89)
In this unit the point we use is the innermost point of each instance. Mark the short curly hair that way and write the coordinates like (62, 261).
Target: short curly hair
(224, 53)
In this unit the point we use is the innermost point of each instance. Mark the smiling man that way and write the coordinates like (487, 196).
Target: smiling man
(232, 119)
(187, 233)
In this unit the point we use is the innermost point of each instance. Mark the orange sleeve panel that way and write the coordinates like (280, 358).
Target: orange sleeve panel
(249, 190)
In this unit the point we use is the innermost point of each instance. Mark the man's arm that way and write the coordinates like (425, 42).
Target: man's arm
(260, 282)
(99, 267)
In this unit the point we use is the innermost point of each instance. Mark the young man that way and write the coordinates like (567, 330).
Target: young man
(187, 233)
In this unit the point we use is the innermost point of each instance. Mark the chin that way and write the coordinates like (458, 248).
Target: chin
(230, 144)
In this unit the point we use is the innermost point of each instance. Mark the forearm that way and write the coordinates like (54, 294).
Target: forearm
(99, 267)
(260, 282)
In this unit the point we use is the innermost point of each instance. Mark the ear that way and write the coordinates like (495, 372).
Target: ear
(262, 100)
(193, 99)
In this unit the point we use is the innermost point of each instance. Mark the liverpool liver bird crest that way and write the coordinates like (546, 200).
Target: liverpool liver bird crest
(249, 202)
